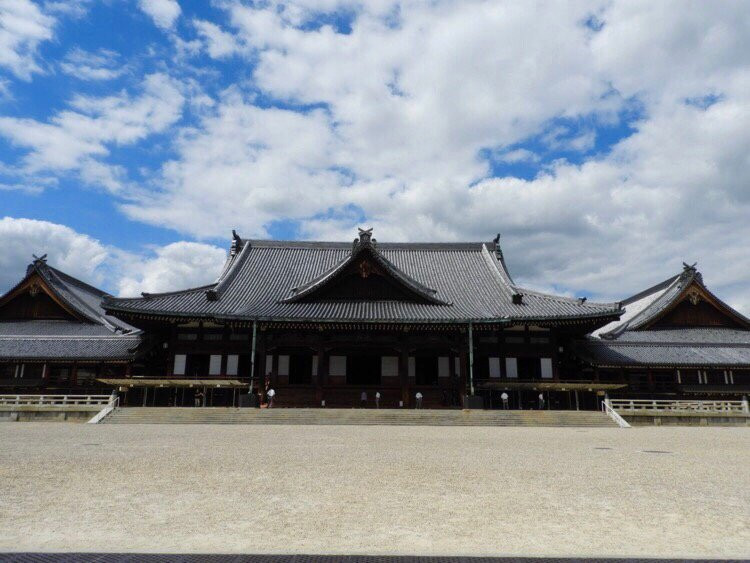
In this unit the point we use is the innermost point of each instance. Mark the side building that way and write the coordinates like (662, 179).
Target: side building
(675, 340)
(329, 324)
(55, 338)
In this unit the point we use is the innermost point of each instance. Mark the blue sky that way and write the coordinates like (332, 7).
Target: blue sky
(607, 141)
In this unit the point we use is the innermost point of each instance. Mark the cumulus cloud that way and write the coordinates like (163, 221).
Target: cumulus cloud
(72, 252)
(174, 266)
(163, 12)
(76, 139)
(23, 26)
(179, 265)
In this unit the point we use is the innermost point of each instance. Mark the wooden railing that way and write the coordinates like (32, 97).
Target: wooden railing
(53, 401)
(627, 406)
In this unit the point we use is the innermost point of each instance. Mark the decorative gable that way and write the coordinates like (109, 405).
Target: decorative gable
(33, 299)
(695, 308)
(366, 275)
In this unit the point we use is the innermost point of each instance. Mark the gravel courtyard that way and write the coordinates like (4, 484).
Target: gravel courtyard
(646, 492)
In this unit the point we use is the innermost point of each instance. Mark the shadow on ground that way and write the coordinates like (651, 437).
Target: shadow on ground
(204, 558)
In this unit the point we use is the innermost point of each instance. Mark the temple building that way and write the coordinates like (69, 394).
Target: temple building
(55, 338)
(330, 324)
(674, 340)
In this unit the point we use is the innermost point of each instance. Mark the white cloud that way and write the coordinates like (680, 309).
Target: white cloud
(78, 138)
(218, 43)
(23, 26)
(179, 265)
(100, 65)
(163, 12)
(174, 266)
(72, 252)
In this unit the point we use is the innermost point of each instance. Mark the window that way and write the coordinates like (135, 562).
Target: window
(514, 340)
(233, 363)
(283, 367)
(32, 371)
(214, 365)
(238, 336)
(337, 365)
(389, 366)
(539, 339)
(179, 364)
(187, 336)
(269, 364)
(511, 368)
(444, 366)
(494, 366)
(546, 368)
(213, 336)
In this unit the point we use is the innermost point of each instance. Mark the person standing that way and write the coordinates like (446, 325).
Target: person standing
(198, 398)
(541, 401)
(418, 397)
(377, 399)
(271, 394)
(363, 399)
(504, 398)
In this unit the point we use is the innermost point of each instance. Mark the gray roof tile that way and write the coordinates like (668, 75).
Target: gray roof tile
(470, 282)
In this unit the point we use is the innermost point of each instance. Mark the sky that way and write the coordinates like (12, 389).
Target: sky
(608, 142)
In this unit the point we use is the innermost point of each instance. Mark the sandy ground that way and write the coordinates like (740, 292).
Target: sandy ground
(657, 492)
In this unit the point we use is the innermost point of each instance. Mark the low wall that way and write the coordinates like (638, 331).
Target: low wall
(685, 419)
(80, 413)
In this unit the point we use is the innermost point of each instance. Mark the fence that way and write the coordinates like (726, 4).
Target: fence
(628, 406)
(54, 401)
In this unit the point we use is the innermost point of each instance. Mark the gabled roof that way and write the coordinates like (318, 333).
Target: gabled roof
(362, 249)
(278, 280)
(646, 307)
(78, 298)
(89, 333)
(634, 341)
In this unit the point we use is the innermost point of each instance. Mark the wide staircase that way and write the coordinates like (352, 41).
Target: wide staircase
(411, 417)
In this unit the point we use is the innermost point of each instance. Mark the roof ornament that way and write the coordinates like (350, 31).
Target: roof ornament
(365, 238)
(582, 300)
(498, 250)
(40, 259)
(236, 244)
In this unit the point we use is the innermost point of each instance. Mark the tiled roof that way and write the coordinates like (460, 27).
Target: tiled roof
(468, 281)
(97, 336)
(67, 347)
(680, 348)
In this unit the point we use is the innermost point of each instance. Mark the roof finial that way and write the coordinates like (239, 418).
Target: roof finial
(236, 243)
(40, 259)
(498, 250)
(365, 235)
(688, 267)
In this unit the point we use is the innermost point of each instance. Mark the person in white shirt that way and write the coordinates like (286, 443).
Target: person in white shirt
(377, 399)
(541, 401)
(504, 397)
(418, 396)
(271, 394)
(363, 399)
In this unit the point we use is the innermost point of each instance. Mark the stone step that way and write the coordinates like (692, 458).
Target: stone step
(222, 415)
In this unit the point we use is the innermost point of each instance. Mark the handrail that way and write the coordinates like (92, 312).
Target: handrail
(608, 410)
(662, 405)
(54, 400)
(114, 402)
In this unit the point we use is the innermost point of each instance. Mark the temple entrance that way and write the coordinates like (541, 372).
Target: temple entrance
(363, 369)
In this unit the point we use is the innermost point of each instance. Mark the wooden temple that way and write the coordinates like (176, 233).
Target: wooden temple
(324, 323)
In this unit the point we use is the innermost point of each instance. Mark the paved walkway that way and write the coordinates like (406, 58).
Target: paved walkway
(380, 491)
(208, 558)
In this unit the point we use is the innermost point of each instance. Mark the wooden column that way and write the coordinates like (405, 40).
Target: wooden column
(322, 376)
(403, 373)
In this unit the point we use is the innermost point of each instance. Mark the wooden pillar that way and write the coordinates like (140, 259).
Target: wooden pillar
(403, 373)
(322, 376)
(463, 365)
(74, 374)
